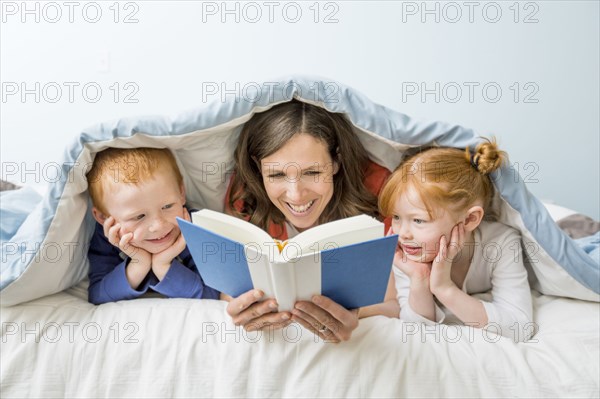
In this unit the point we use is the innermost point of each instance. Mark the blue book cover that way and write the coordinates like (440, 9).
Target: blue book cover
(348, 260)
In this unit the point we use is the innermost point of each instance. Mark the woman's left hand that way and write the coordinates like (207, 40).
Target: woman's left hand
(325, 318)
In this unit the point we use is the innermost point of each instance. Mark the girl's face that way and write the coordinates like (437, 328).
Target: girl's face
(419, 234)
(298, 179)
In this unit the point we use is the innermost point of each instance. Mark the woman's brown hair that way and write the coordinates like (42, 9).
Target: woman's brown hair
(269, 131)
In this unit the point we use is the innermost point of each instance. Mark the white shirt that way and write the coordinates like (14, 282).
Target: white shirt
(497, 265)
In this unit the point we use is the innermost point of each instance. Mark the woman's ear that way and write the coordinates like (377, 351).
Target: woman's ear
(473, 218)
(336, 167)
(336, 161)
(99, 216)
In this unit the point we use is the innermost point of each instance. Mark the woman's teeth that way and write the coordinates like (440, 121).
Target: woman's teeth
(301, 208)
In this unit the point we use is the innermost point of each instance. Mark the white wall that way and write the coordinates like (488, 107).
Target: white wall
(172, 50)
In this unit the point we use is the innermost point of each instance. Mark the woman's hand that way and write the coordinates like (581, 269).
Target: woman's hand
(325, 318)
(247, 311)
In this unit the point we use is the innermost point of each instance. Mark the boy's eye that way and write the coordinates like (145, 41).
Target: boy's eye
(169, 206)
(139, 217)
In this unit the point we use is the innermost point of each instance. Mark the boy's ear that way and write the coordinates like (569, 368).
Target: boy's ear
(473, 218)
(182, 191)
(99, 216)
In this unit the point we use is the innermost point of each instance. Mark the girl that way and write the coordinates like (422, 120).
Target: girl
(446, 251)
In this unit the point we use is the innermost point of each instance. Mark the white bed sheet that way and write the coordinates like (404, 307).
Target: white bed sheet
(62, 346)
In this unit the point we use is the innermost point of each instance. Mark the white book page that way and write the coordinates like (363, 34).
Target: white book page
(260, 270)
(339, 233)
(296, 279)
(307, 271)
(284, 285)
(234, 229)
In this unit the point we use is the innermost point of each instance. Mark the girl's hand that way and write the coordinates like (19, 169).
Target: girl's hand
(247, 311)
(442, 264)
(414, 270)
(325, 318)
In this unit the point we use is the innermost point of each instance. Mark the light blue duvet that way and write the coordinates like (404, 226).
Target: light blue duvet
(44, 239)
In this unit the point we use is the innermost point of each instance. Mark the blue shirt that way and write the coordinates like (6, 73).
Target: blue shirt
(108, 282)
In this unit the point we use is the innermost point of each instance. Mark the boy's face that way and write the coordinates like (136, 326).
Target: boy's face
(148, 210)
(418, 234)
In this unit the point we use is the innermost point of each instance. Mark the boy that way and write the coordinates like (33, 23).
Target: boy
(137, 245)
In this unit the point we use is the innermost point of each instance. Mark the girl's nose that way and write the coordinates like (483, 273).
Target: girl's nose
(404, 232)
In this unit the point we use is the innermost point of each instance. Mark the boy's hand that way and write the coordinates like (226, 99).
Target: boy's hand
(112, 231)
(161, 262)
(139, 265)
(442, 264)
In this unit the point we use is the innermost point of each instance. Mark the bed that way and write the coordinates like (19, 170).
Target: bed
(56, 344)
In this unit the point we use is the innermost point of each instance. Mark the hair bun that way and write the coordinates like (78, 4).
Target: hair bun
(487, 157)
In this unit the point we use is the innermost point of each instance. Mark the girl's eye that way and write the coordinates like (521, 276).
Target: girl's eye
(395, 217)
(418, 221)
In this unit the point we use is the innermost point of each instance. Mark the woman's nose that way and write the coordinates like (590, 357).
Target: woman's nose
(295, 190)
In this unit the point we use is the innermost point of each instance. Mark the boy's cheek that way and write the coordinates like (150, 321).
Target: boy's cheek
(178, 211)
(124, 230)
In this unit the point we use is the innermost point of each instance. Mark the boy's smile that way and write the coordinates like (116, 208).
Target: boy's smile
(148, 210)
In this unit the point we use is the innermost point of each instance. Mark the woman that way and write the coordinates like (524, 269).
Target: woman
(297, 166)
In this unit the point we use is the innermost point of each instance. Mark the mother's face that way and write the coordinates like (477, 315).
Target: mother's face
(298, 179)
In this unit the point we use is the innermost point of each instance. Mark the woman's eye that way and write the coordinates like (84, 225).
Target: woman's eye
(312, 173)
(276, 176)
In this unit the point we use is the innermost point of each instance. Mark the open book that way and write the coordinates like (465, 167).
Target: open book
(347, 260)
